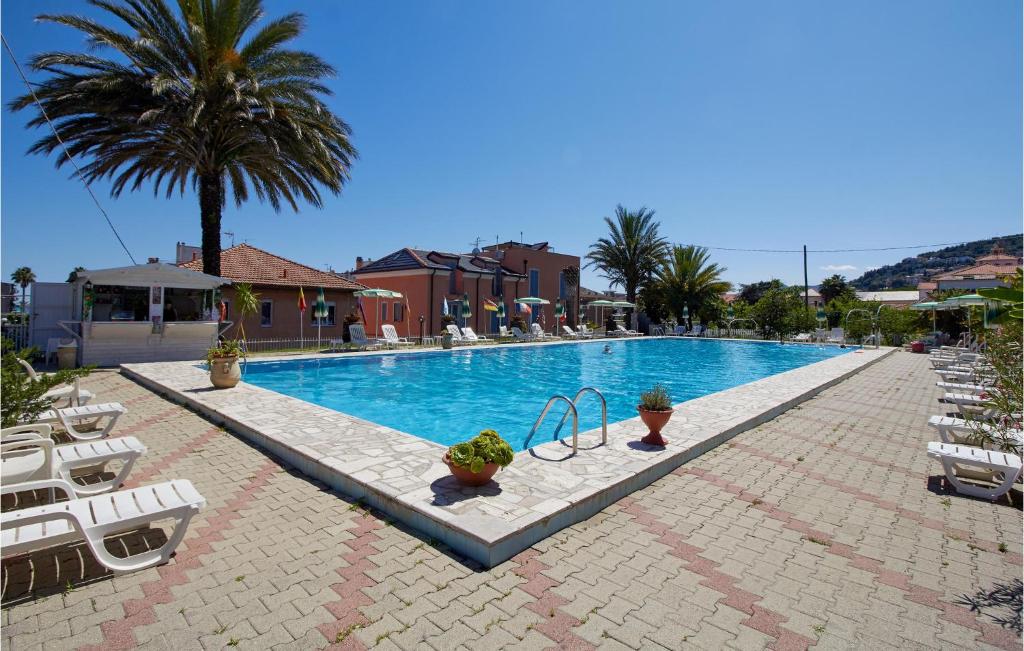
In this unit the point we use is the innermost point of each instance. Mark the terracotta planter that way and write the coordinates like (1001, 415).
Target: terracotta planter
(467, 477)
(654, 420)
(225, 372)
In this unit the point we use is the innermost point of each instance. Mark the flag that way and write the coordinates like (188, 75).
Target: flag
(444, 307)
(490, 305)
(523, 308)
(302, 301)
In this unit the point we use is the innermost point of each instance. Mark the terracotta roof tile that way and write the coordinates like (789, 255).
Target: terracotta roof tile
(983, 270)
(245, 263)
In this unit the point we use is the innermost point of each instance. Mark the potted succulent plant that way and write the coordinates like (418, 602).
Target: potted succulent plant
(655, 411)
(223, 361)
(474, 462)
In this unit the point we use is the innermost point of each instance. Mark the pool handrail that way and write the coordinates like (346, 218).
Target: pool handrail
(547, 407)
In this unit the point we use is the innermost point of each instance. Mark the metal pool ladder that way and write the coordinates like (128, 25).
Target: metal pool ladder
(572, 409)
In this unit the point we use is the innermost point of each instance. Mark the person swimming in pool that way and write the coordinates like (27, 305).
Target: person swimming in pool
(607, 349)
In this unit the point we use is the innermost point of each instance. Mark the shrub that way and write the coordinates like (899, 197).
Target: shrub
(21, 398)
(657, 399)
(486, 447)
(226, 348)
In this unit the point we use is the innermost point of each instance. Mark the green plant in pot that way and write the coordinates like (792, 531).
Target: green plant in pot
(223, 362)
(655, 411)
(474, 462)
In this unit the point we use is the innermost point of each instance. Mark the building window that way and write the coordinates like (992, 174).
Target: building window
(266, 313)
(383, 311)
(534, 282)
(451, 281)
(561, 284)
(227, 310)
(327, 320)
(396, 312)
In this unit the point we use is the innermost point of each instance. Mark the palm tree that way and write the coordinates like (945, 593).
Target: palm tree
(24, 277)
(688, 279)
(632, 252)
(198, 97)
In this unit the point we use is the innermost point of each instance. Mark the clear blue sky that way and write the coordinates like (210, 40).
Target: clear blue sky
(744, 124)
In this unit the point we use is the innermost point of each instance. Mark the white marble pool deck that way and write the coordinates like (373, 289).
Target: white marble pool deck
(545, 488)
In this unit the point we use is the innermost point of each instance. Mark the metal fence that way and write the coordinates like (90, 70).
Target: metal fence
(16, 332)
(283, 345)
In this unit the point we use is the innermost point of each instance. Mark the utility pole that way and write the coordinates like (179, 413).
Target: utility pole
(806, 289)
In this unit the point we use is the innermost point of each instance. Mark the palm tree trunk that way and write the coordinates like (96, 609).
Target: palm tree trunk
(24, 301)
(211, 202)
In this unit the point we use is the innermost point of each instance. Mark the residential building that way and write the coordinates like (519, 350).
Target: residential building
(429, 279)
(544, 270)
(278, 280)
(987, 271)
(813, 297)
(925, 289)
(892, 298)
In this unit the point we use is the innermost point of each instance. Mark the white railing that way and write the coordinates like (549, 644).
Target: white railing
(280, 345)
(17, 333)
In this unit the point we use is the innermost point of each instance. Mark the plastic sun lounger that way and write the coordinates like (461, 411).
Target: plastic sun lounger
(457, 337)
(90, 519)
(959, 387)
(29, 454)
(538, 333)
(391, 338)
(358, 336)
(623, 332)
(961, 431)
(73, 393)
(68, 416)
(520, 335)
(570, 333)
(472, 337)
(1004, 467)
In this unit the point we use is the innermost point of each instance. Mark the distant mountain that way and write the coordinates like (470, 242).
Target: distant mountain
(910, 271)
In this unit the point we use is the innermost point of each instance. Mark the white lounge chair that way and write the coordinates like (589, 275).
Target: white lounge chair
(472, 337)
(961, 387)
(570, 333)
(357, 334)
(679, 331)
(1002, 467)
(977, 406)
(962, 432)
(520, 335)
(837, 336)
(585, 331)
(457, 337)
(538, 333)
(623, 332)
(70, 419)
(90, 519)
(27, 453)
(73, 393)
(696, 331)
(391, 338)
(803, 337)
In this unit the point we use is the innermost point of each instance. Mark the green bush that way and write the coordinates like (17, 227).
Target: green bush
(22, 398)
(657, 399)
(226, 348)
(486, 447)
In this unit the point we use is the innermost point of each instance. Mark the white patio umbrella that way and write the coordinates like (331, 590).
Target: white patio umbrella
(601, 303)
(378, 294)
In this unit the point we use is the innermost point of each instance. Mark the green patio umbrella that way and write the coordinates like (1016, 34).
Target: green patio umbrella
(467, 310)
(730, 313)
(928, 305)
(601, 303)
(501, 312)
(320, 312)
(378, 294)
(966, 301)
(623, 304)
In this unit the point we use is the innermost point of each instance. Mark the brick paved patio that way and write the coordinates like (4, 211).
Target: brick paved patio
(825, 527)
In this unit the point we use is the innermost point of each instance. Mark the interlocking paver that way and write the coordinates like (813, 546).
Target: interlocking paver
(745, 547)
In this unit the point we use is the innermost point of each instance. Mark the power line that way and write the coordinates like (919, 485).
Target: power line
(881, 248)
(64, 147)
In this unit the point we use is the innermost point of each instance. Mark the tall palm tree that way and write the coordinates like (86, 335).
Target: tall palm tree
(24, 277)
(632, 252)
(201, 97)
(688, 279)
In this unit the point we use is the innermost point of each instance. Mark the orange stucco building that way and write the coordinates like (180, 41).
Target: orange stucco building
(426, 279)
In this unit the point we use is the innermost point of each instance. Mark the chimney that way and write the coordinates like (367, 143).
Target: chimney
(152, 260)
(284, 272)
(359, 262)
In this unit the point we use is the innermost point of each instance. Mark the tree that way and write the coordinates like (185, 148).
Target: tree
(689, 280)
(753, 292)
(24, 277)
(571, 277)
(632, 252)
(248, 303)
(781, 312)
(833, 287)
(74, 274)
(198, 97)
(22, 399)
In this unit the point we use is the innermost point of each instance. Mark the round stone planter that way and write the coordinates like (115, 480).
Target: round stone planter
(225, 372)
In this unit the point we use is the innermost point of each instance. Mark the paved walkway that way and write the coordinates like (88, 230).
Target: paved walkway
(826, 527)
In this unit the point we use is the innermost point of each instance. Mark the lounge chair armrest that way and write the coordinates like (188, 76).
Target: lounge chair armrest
(38, 430)
(40, 484)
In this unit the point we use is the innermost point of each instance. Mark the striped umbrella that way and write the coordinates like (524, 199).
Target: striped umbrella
(320, 312)
(501, 311)
(467, 311)
(559, 310)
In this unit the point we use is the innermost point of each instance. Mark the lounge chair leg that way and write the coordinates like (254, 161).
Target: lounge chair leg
(146, 559)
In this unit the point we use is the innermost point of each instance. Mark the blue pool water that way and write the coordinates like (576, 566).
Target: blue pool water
(449, 397)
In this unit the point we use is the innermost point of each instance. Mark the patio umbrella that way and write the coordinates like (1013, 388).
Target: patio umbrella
(966, 301)
(320, 312)
(928, 305)
(501, 312)
(467, 311)
(559, 312)
(730, 313)
(377, 294)
(601, 303)
(533, 300)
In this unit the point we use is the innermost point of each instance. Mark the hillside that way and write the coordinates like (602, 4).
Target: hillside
(909, 271)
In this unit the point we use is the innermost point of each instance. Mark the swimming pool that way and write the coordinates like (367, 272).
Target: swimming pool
(449, 397)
